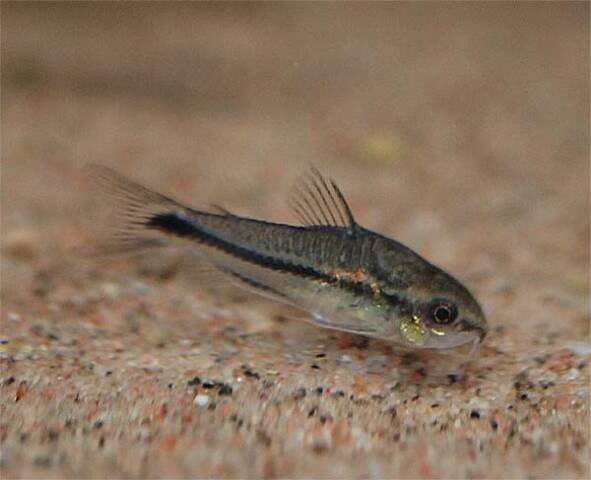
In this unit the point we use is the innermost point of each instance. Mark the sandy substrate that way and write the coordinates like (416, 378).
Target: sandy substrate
(460, 130)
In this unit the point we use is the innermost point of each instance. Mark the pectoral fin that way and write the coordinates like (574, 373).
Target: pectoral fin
(345, 326)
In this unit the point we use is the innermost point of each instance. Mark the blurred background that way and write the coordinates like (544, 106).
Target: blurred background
(415, 108)
(461, 129)
(434, 118)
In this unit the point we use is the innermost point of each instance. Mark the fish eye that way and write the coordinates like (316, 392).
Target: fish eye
(443, 312)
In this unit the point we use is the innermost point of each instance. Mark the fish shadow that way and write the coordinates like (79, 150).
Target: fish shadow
(329, 353)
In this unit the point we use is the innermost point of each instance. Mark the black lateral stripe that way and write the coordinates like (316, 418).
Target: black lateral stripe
(403, 306)
(182, 227)
(175, 224)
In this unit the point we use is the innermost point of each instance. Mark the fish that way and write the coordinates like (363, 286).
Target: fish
(344, 276)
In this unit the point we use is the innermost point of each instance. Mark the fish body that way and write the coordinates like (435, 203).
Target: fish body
(346, 276)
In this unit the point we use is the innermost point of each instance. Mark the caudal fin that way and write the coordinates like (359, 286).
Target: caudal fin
(128, 208)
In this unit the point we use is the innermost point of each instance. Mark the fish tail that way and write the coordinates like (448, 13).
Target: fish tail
(138, 217)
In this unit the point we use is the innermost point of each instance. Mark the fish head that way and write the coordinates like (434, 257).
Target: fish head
(444, 313)
(434, 309)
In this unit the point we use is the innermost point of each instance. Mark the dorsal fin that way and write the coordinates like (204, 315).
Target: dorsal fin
(319, 201)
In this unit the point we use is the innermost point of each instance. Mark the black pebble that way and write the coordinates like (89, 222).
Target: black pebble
(194, 381)
(225, 389)
(249, 372)
(208, 383)
(299, 393)
(474, 414)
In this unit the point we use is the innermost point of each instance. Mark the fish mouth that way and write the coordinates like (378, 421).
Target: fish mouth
(476, 329)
